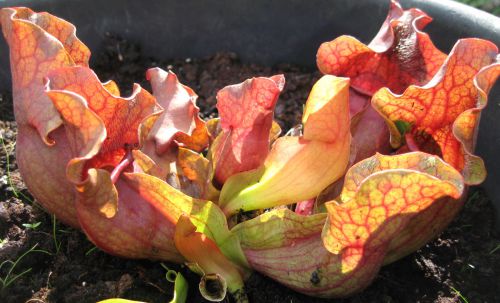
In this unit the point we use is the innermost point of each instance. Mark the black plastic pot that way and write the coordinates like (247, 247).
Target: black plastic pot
(270, 32)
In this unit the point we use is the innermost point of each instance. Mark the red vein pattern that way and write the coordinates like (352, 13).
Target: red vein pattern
(121, 116)
(339, 253)
(400, 55)
(444, 113)
(40, 42)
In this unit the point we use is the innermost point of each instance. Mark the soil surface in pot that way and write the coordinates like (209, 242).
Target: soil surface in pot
(462, 265)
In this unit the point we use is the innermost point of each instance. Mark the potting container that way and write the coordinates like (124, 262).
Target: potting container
(267, 33)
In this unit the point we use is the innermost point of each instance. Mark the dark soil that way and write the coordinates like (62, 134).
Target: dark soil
(462, 265)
